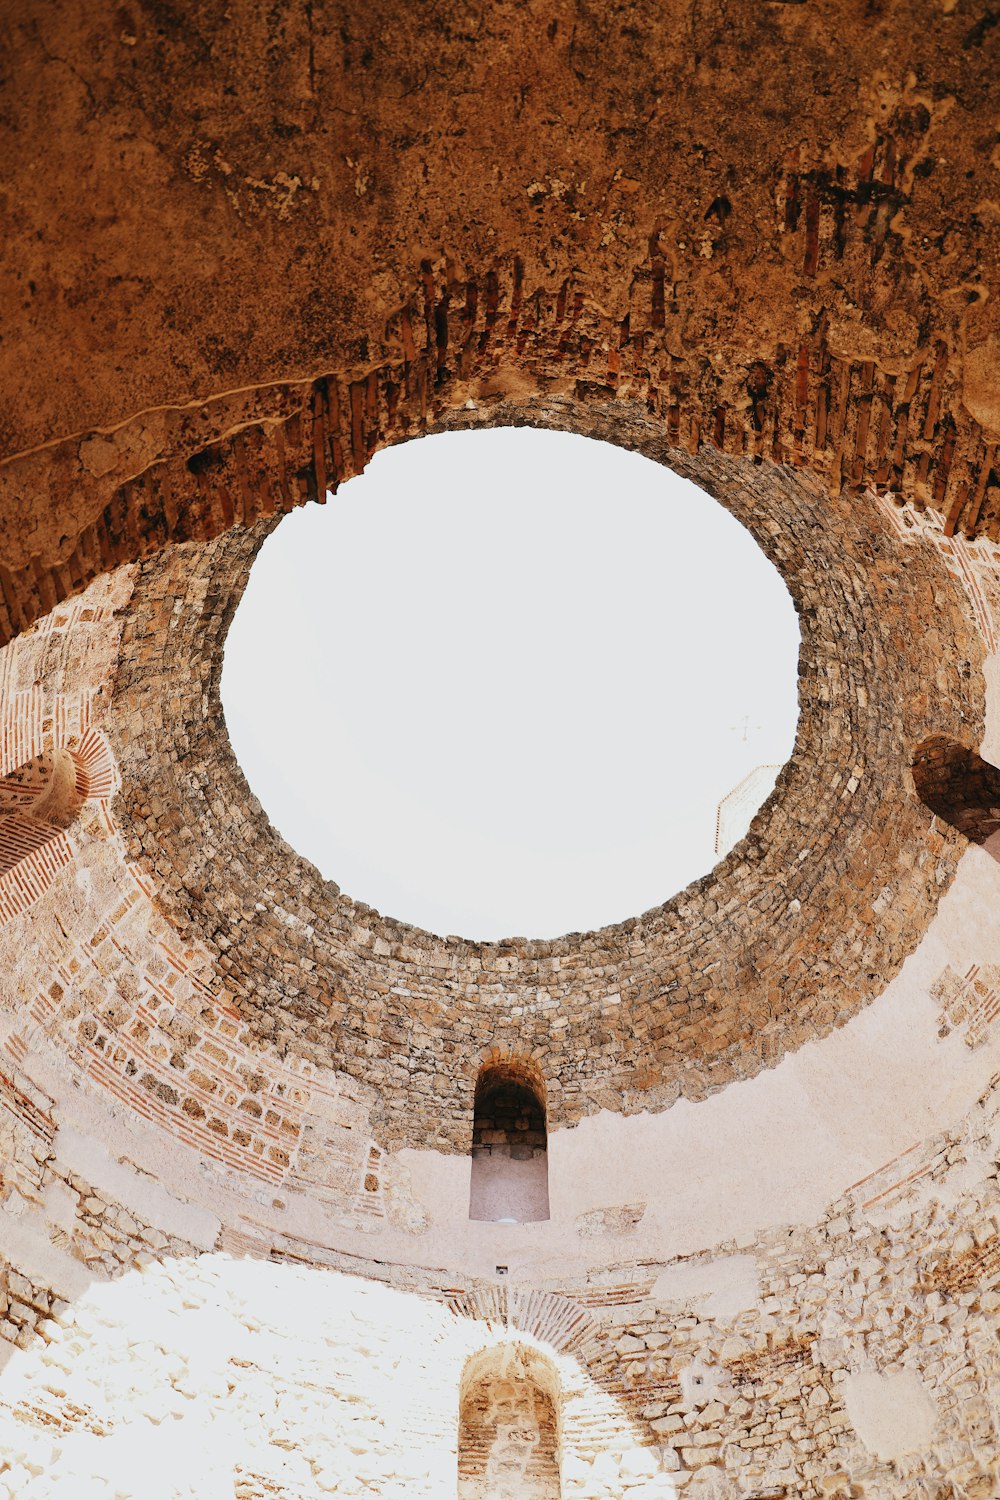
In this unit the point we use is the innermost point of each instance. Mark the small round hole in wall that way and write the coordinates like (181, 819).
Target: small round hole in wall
(512, 681)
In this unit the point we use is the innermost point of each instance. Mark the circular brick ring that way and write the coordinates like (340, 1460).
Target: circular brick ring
(798, 927)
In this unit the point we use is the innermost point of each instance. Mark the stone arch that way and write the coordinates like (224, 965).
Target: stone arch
(958, 786)
(509, 1178)
(509, 1425)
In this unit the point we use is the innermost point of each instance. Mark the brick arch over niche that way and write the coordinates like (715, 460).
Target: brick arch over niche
(772, 948)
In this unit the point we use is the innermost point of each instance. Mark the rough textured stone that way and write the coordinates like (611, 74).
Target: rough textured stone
(775, 243)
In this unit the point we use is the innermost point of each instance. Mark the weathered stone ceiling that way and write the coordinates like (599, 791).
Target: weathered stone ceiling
(273, 239)
(243, 247)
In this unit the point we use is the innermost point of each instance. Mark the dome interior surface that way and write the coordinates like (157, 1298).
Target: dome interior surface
(247, 252)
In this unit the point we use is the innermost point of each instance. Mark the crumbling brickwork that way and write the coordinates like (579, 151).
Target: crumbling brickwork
(508, 1436)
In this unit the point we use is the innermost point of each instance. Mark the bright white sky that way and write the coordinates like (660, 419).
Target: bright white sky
(499, 684)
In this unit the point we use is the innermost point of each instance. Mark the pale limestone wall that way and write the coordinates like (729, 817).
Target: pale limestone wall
(302, 1160)
(213, 1377)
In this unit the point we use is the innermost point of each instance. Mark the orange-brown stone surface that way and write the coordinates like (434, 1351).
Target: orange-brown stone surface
(244, 246)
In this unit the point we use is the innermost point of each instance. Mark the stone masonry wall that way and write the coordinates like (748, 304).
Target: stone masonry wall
(855, 1356)
(244, 249)
(836, 880)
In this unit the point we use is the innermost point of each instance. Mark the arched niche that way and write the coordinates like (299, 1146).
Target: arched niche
(38, 801)
(510, 1174)
(509, 1426)
(958, 786)
(41, 802)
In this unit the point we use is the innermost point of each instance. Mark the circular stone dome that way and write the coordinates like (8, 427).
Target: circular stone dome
(773, 947)
(525, 668)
